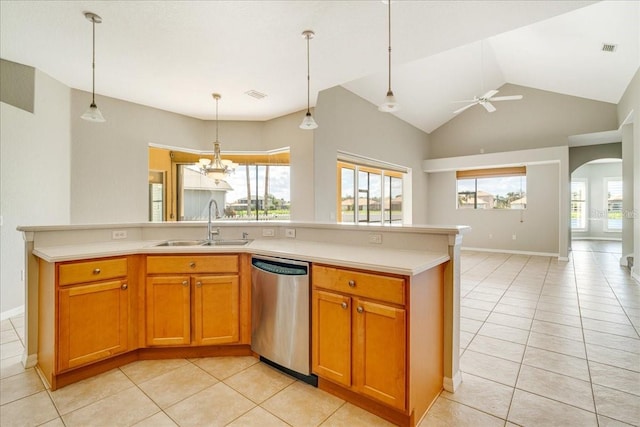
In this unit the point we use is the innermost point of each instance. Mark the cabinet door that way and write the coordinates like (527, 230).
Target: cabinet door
(379, 352)
(168, 305)
(331, 336)
(93, 322)
(216, 309)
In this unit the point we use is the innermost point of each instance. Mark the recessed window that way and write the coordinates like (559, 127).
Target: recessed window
(369, 194)
(498, 188)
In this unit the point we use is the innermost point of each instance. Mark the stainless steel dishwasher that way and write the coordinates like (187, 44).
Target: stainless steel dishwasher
(280, 315)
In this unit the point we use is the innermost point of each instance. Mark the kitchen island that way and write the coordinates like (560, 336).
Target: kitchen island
(407, 300)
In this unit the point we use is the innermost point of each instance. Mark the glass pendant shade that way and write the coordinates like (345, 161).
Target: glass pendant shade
(389, 105)
(93, 114)
(308, 122)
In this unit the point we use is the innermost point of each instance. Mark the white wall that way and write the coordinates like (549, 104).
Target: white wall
(595, 173)
(34, 184)
(348, 123)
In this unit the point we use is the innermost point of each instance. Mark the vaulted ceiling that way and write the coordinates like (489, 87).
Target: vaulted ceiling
(173, 54)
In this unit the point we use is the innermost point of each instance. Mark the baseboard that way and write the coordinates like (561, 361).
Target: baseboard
(12, 313)
(613, 239)
(29, 361)
(635, 273)
(509, 251)
(452, 384)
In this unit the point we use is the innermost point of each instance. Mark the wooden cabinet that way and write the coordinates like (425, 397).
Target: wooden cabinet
(377, 339)
(360, 343)
(94, 315)
(195, 300)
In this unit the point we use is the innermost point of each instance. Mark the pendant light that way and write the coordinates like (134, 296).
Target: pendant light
(216, 168)
(93, 114)
(389, 104)
(308, 123)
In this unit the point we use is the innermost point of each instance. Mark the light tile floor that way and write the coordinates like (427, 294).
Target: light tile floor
(543, 343)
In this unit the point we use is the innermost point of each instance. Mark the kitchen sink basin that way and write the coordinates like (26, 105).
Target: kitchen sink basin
(181, 243)
(221, 242)
(227, 242)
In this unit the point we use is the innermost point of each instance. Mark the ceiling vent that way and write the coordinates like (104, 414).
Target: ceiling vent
(255, 94)
(608, 47)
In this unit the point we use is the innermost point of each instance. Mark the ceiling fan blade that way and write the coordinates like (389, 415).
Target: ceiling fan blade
(465, 100)
(506, 98)
(489, 94)
(460, 110)
(488, 106)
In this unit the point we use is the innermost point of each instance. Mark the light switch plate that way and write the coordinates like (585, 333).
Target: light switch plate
(268, 232)
(119, 234)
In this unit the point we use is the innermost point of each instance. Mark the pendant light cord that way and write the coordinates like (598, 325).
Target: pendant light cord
(93, 64)
(308, 77)
(217, 123)
(389, 14)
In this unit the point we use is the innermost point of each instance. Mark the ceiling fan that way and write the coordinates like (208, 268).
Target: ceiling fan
(486, 99)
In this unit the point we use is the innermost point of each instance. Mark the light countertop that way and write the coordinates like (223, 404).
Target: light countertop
(396, 261)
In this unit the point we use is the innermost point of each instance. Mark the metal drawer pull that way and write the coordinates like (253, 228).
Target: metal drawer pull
(360, 309)
(96, 271)
(185, 283)
(352, 283)
(124, 287)
(192, 264)
(199, 284)
(344, 305)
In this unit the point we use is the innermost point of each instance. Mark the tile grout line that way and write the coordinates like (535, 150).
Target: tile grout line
(515, 386)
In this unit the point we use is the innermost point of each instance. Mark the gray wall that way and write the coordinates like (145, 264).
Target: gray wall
(540, 119)
(109, 163)
(348, 123)
(578, 156)
(535, 228)
(34, 181)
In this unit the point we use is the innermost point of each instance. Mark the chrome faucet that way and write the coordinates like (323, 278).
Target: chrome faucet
(210, 231)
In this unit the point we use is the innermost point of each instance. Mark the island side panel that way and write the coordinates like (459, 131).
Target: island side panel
(426, 339)
(452, 378)
(47, 321)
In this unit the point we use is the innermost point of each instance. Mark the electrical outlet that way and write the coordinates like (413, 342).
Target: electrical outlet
(375, 238)
(513, 237)
(119, 234)
(268, 232)
(290, 232)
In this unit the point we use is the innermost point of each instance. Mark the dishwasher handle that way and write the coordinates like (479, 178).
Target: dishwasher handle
(281, 268)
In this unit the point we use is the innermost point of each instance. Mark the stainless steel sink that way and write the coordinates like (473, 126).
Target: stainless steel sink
(227, 242)
(221, 242)
(181, 243)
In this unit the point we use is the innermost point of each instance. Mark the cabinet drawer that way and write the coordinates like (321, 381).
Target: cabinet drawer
(91, 271)
(192, 264)
(375, 286)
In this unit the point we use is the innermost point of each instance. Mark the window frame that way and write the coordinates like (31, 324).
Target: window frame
(383, 173)
(605, 187)
(586, 202)
(488, 173)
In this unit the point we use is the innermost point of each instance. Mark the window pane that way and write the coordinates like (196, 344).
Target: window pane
(375, 197)
(347, 190)
(614, 204)
(502, 193)
(578, 205)
(466, 193)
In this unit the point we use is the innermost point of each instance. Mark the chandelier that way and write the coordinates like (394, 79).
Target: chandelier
(216, 168)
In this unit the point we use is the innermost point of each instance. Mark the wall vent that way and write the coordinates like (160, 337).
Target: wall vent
(255, 94)
(608, 47)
